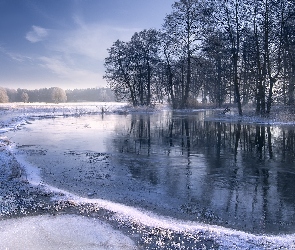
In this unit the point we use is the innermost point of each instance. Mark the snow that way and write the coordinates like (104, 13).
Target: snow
(60, 232)
(78, 232)
(280, 116)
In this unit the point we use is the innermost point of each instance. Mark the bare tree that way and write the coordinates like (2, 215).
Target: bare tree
(119, 72)
(3, 96)
(144, 49)
(130, 67)
(58, 95)
(184, 28)
(25, 97)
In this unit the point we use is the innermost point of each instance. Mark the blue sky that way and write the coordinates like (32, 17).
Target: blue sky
(46, 43)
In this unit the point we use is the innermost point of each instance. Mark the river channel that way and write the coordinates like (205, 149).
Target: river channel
(239, 176)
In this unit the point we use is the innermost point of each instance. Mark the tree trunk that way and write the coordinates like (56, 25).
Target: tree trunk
(148, 84)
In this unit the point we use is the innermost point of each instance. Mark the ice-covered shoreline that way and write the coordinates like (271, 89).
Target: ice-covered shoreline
(23, 182)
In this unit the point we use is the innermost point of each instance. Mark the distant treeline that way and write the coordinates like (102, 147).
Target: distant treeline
(91, 95)
(56, 95)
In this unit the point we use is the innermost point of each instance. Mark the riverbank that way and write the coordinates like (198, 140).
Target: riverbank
(33, 217)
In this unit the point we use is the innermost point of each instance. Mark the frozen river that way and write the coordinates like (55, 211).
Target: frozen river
(182, 168)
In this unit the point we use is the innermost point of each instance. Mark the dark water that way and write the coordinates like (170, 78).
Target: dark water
(234, 175)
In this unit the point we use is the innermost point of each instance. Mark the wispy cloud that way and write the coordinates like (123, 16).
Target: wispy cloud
(15, 56)
(37, 34)
(90, 40)
(62, 68)
(78, 54)
(72, 57)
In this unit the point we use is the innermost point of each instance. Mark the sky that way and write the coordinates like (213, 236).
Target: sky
(63, 43)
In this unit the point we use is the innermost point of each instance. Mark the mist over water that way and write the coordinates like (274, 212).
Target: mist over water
(234, 175)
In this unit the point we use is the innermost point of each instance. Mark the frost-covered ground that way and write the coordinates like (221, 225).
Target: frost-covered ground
(279, 115)
(61, 232)
(35, 215)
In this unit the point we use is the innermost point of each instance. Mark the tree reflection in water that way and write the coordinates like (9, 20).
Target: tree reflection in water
(237, 175)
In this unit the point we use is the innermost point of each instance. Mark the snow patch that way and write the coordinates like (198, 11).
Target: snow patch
(60, 232)
(32, 174)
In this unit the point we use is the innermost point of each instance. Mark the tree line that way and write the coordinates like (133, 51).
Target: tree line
(56, 95)
(91, 95)
(224, 51)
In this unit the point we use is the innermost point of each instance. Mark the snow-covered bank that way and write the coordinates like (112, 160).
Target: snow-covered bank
(280, 116)
(25, 193)
(61, 232)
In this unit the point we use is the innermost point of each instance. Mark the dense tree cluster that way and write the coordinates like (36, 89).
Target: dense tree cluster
(234, 51)
(55, 95)
(91, 95)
